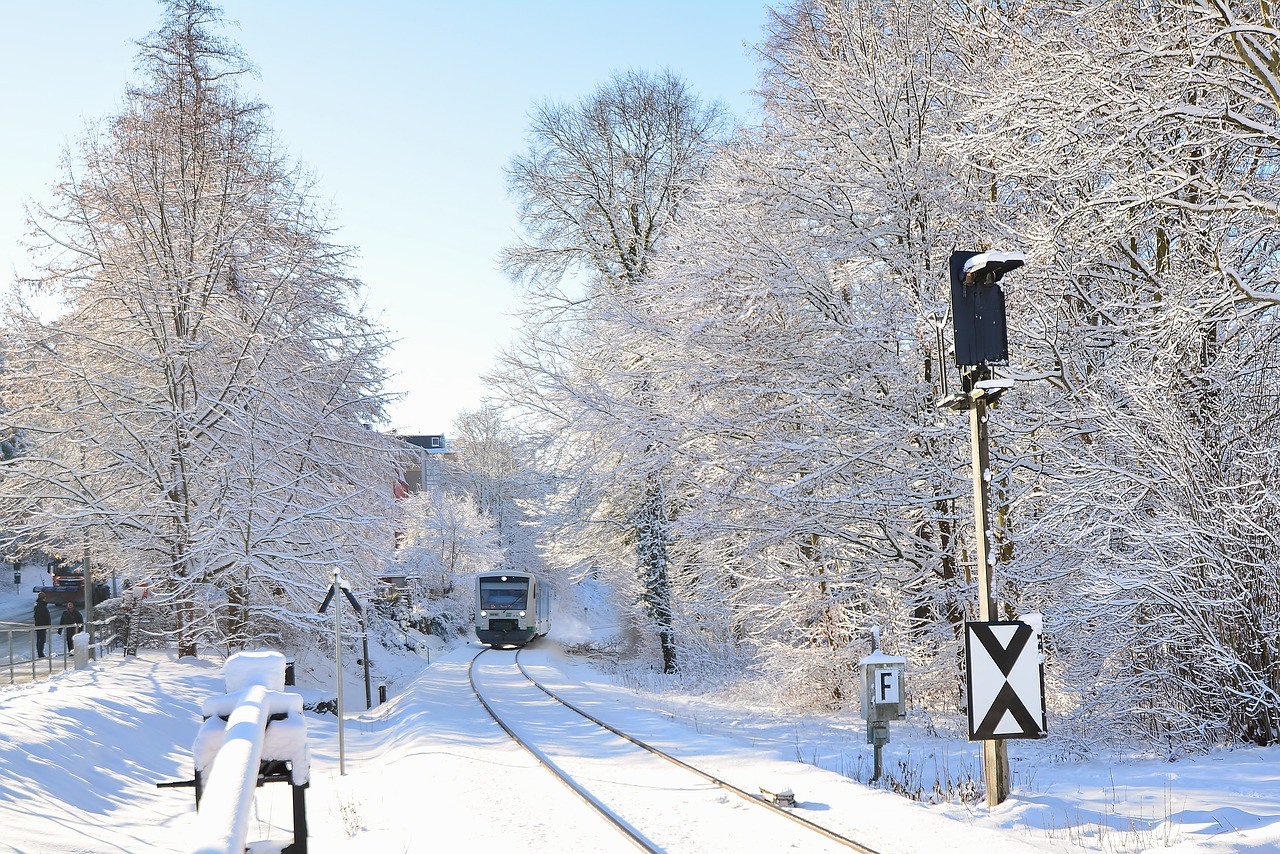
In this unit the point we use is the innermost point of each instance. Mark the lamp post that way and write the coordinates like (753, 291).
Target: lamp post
(337, 592)
(88, 597)
(337, 646)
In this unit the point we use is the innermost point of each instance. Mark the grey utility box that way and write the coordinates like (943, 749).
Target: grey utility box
(884, 696)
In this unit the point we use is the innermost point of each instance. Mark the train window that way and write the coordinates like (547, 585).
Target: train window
(504, 595)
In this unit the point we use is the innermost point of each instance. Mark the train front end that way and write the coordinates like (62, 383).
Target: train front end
(505, 608)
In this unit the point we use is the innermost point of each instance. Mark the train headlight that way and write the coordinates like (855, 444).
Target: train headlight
(522, 613)
(484, 613)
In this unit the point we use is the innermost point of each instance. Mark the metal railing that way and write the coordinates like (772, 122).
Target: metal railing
(18, 648)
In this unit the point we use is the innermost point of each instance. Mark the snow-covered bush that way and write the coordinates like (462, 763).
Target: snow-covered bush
(445, 541)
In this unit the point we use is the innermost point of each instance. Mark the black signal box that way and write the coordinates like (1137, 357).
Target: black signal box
(977, 307)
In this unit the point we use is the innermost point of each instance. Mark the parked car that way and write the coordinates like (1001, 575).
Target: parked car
(69, 587)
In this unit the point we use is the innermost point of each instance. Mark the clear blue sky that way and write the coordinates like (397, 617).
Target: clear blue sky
(406, 113)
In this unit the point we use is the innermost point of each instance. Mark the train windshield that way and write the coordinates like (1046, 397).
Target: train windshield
(499, 595)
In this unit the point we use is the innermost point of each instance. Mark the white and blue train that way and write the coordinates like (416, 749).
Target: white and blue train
(512, 608)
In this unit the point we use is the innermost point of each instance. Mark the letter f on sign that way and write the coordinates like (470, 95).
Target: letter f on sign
(887, 686)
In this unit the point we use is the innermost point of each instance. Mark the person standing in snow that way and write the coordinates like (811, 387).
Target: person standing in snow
(72, 620)
(40, 616)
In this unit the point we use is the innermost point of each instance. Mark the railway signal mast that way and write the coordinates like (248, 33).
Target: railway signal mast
(981, 341)
(339, 584)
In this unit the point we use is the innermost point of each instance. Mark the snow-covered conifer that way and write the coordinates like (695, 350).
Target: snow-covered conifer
(195, 410)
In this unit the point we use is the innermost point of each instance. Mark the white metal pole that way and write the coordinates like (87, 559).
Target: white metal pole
(88, 597)
(337, 644)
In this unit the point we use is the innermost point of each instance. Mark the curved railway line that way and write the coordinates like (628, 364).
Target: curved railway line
(599, 802)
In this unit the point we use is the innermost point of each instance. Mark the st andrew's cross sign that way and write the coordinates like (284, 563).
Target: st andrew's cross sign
(1006, 681)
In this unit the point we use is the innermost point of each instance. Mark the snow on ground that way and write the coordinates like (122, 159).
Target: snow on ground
(81, 753)
(1228, 801)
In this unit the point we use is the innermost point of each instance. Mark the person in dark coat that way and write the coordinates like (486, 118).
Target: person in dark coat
(72, 619)
(40, 616)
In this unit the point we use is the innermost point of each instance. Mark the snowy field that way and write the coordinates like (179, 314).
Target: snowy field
(80, 756)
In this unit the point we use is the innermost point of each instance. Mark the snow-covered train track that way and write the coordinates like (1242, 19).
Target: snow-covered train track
(661, 803)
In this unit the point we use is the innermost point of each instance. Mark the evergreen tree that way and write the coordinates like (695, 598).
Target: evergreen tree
(196, 410)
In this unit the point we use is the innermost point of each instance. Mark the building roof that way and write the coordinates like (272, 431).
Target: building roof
(432, 444)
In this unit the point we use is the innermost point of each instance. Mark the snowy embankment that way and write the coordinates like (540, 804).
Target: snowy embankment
(80, 756)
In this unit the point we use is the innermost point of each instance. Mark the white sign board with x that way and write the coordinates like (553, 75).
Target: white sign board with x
(1006, 681)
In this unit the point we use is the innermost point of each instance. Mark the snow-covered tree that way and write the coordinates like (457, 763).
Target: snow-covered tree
(195, 411)
(768, 384)
(446, 540)
(800, 299)
(1137, 144)
(495, 466)
(597, 191)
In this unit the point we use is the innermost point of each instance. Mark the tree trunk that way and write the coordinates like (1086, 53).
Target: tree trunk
(655, 565)
(186, 634)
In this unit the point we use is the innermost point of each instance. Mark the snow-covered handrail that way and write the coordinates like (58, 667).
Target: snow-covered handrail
(255, 722)
(223, 820)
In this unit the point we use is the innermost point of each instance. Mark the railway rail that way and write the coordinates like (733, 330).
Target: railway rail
(609, 796)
